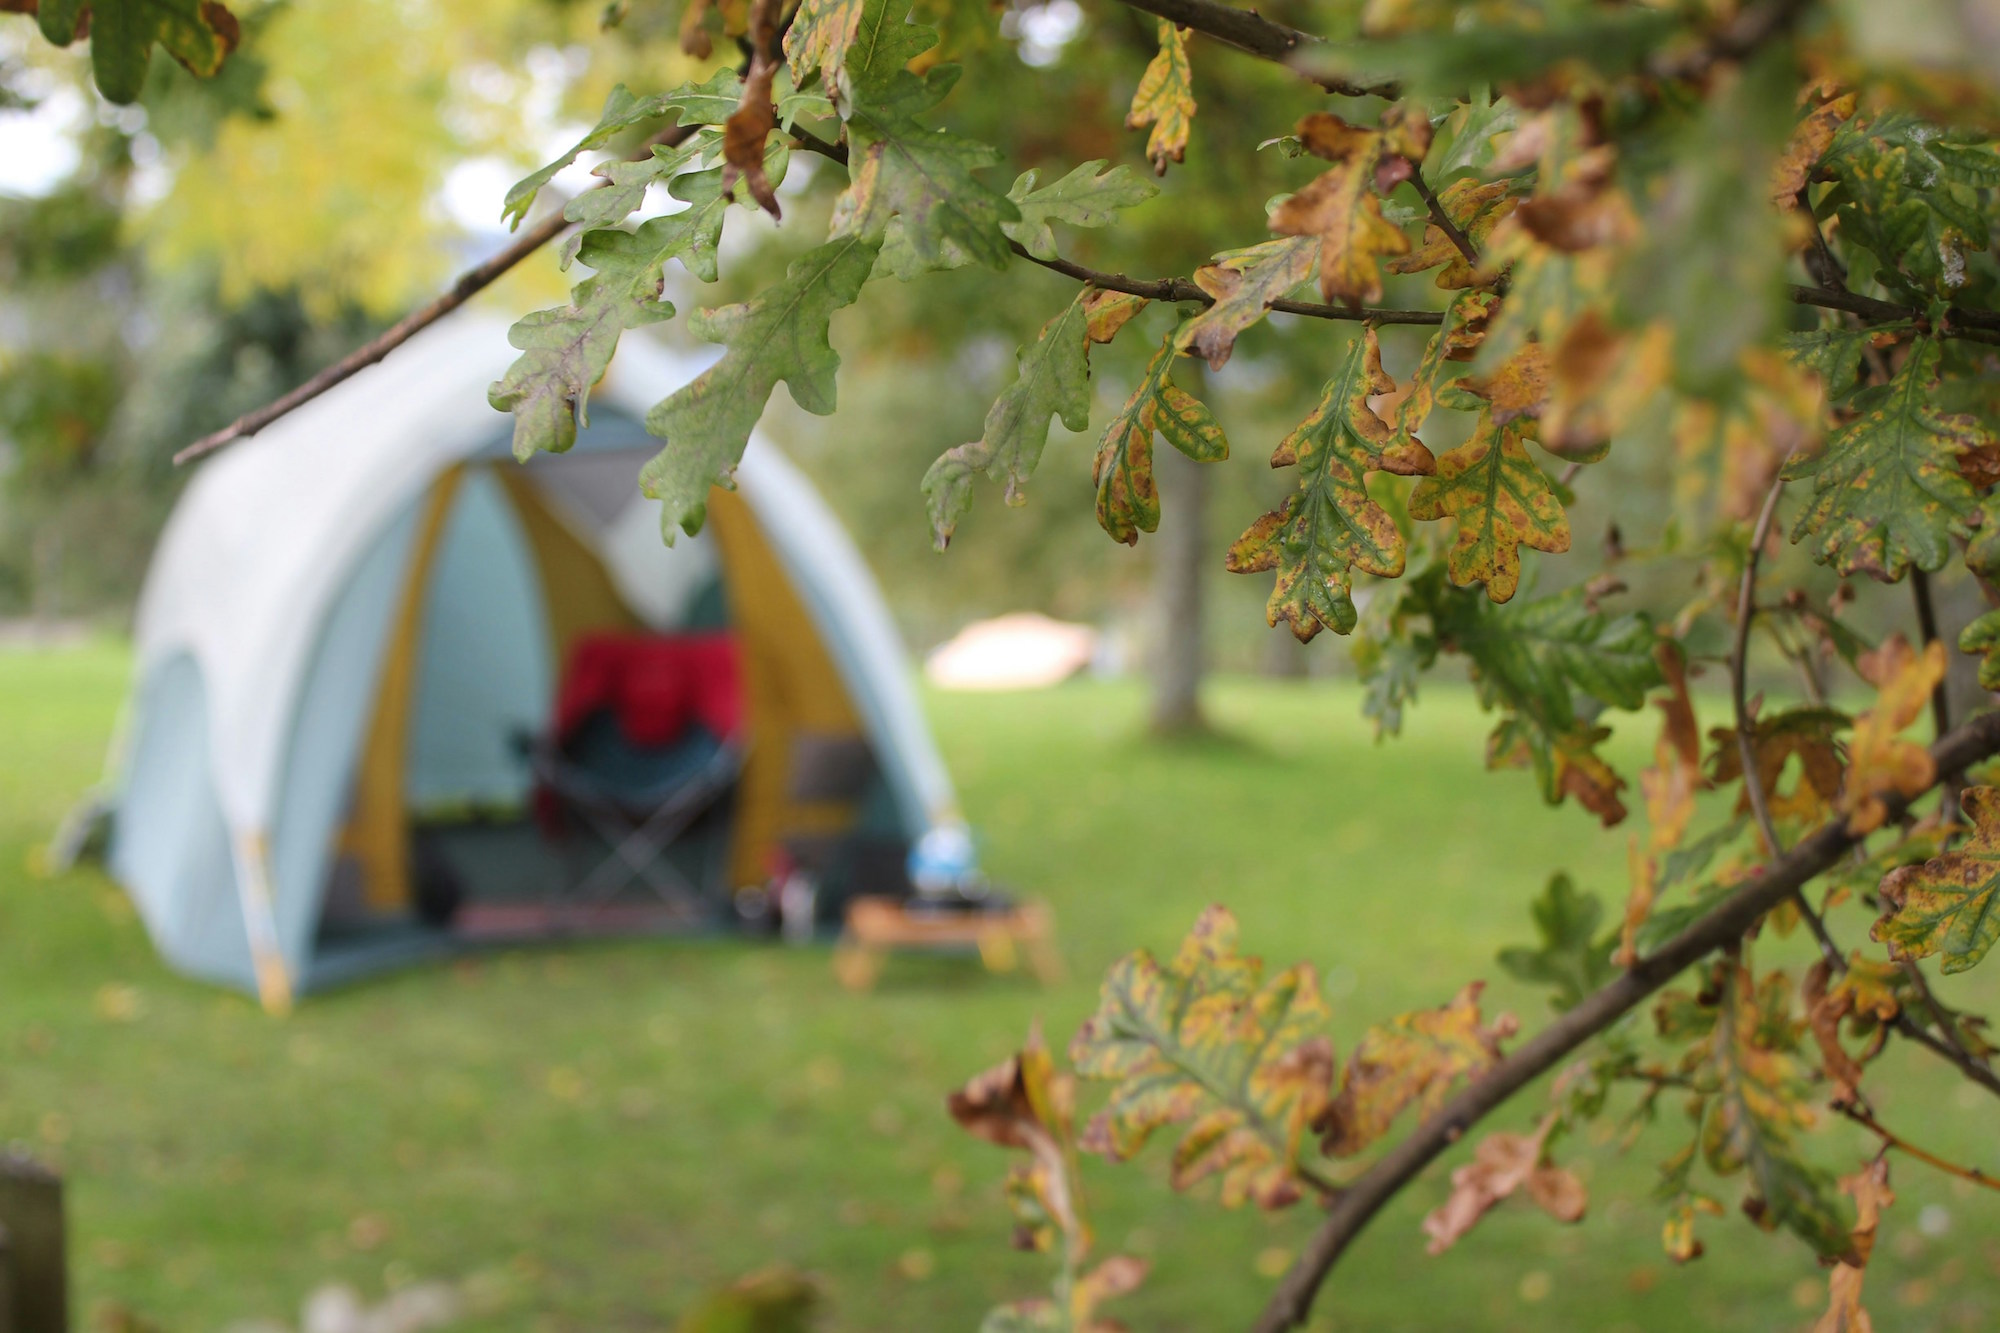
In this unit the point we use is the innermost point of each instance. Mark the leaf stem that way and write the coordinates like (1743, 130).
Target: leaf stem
(1890, 1139)
(1289, 1305)
(470, 283)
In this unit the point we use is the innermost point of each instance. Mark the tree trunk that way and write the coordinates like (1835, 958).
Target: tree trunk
(1181, 549)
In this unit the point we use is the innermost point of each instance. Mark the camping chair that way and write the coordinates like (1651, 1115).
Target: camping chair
(645, 743)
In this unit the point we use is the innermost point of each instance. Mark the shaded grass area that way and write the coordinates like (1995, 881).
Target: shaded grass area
(600, 1132)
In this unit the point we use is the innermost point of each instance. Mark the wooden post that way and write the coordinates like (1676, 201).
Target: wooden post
(34, 1276)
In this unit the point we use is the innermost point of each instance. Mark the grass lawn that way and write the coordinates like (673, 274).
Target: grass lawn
(599, 1133)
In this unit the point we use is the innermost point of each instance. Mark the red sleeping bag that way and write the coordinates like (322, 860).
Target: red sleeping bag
(654, 684)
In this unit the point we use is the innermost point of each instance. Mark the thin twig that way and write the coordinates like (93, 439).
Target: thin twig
(1927, 626)
(1249, 31)
(470, 283)
(1890, 1139)
(1724, 924)
(1746, 749)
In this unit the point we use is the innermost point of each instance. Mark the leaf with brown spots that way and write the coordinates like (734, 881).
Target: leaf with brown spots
(1949, 907)
(1128, 501)
(1475, 208)
(1343, 211)
(1879, 761)
(1329, 526)
(744, 133)
(1501, 1165)
(1165, 100)
(1414, 1060)
(1206, 1039)
(1455, 343)
(1244, 283)
(1501, 501)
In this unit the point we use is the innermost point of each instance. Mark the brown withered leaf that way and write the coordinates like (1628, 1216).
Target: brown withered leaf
(1412, 1060)
(1502, 1164)
(1475, 208)
(744, 133)
(1675, 776)
(1165, 100)
(1809, 142)
(1807, 734)
(1879, 761)
(1244, 283)
(1844, 1311)
(1342, 210)
(1024, 1103)
(1638, 903)
(1823, 1015)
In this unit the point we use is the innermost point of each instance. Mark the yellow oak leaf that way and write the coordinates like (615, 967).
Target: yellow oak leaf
(1844, 1311)
(1501, 501)
(1475, 208)
(1165, 100)
(1879, 761)
(1809, 141)
(1024, 1103)
(1412, 1060)
(1949, 907)
(1343, 211)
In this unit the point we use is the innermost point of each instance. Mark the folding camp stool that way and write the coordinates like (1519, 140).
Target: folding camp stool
(636, 838)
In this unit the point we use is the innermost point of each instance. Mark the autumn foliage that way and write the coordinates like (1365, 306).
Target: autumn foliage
(1728, 236)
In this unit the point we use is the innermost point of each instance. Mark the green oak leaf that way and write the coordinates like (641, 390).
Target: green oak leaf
(1128, 501)
(1949, 907)
(625, 187)
(920, 178)
(198, 33)
(781, 334)
(1329, 526)
(1914, 194)
(885, 41)
(1502, 502)
(1983, 636)
(1834, 353)
(1206, 1039)
(1088, 196)
(1053, 379)
(1887, 492)
(1572, 961)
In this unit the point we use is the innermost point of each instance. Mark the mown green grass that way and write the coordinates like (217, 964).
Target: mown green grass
(602, 1132)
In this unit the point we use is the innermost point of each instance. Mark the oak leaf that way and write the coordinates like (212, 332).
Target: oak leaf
(1727, 452)
(1454, 344)
(1205, 1039)
(1805, 734)
(1128, 501)
(1879, 760)
(750, 125)
(1414, 1060)
(1949, 907)
(1475, 208)
(1887, 492)
(1053, 379)
(1501, 501)
(1675, 776)
(1572, 960)
(1089, 196)
(1644, 873)
(1244, 283)
(1501, 1165)
(1165, 100)
(200, 34)
(1809, 142)
(781, 334)
(1982, 636)
(1329, 526)
(1844, 1312)
(1343, 211)
(1024, 1103)
(818, 39)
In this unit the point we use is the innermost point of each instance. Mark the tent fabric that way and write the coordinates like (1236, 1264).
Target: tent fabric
(304, 563)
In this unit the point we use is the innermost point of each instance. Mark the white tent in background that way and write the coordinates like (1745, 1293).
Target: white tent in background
(351, 616)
